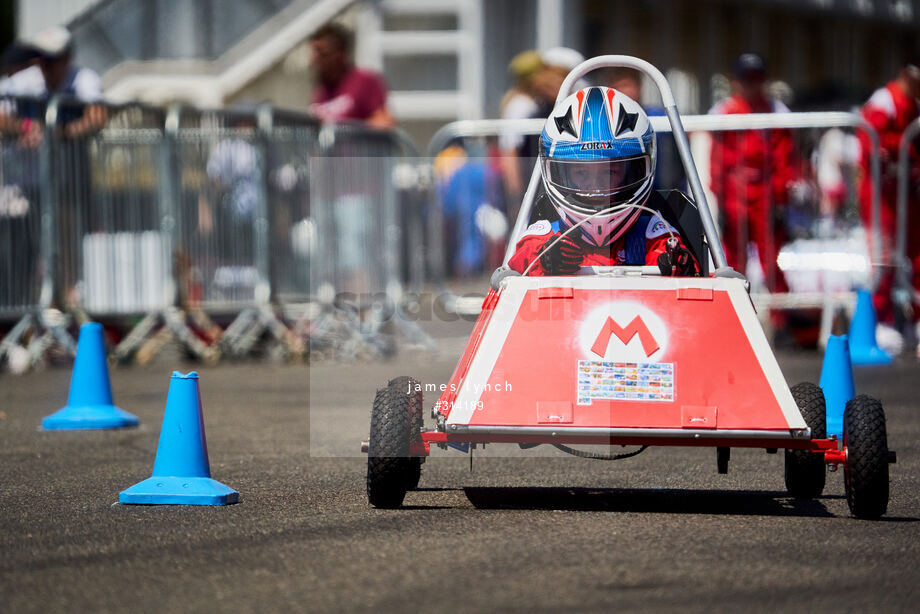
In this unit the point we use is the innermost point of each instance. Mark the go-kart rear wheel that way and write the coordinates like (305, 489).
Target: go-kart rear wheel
(396, 420)
(805, 471)
(866, 470)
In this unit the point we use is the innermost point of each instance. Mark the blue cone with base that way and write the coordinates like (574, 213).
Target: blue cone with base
(181, 472)
(864, 349)
(837, 382)
(89, 405)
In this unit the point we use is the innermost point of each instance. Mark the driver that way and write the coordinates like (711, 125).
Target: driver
(597, 161)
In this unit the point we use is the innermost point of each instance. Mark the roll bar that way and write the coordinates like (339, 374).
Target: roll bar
(726, 123)
(680, 139)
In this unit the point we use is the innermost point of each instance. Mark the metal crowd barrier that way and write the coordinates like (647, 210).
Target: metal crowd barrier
(171, 222)
(27, 233)
(366, 219)
(113, 257)
(827, 301)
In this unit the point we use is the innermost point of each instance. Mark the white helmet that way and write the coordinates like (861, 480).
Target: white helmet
(597, 150)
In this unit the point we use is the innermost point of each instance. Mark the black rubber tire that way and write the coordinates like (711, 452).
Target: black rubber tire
(415, 473)
(866, 471)
(416, 422)
(805, 471)
(395, 423)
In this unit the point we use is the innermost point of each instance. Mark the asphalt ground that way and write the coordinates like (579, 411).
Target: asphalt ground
(523, 532)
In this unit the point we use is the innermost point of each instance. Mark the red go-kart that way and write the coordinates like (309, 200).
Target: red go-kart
(637, 359)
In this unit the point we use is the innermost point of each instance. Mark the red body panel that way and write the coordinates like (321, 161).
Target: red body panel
(675, 358)
(446, 401)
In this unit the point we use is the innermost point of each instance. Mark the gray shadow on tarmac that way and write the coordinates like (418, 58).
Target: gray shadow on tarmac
(433, 489)
(429, 507)
(669, 501)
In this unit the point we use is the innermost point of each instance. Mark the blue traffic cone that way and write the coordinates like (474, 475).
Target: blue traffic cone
(181, 472)
(836, 382)
(89, 405)
(864, 349)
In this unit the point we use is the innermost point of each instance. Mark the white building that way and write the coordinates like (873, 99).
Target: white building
(447, 59)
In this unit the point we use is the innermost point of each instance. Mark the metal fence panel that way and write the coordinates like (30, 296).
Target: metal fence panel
(221, 217)
(21, 268)
(354, 202)
(129, 211)
(103, 186)
(292, 227)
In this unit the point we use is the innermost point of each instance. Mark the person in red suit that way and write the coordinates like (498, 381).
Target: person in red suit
(751, 172)
(890, 110)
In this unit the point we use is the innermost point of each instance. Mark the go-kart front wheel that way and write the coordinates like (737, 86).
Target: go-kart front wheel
(805, 471)
(866, 469)
(414, 474)
(396, 420)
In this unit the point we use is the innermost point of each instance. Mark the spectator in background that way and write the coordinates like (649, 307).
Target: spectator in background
(629, 82)
(472, 199)
(560, 61)
(17, 56)
(13, 203)
(228, 206)
(53, 73)
(233, 168)
(890, 110)
(834, 161)
(669, 174)
(47, 70)
(751, 173)
(345, 92)
(522, 101)
(540, 75)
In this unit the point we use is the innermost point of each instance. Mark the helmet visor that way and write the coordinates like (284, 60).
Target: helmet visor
(598, 184)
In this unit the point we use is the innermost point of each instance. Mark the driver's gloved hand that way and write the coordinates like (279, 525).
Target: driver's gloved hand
(677, 261)
(563, 258)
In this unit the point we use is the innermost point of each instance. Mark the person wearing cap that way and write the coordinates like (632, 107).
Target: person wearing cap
(890, 110)
(520, 102)
(559, 62)
(54, 47)
(54, 74)
(51, 74)
(17, 56)
(523, 100)
(751, 173)
(546, 70)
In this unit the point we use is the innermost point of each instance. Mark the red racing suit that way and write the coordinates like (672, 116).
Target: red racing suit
(750, 172)
(640, 245)
(890, 110)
